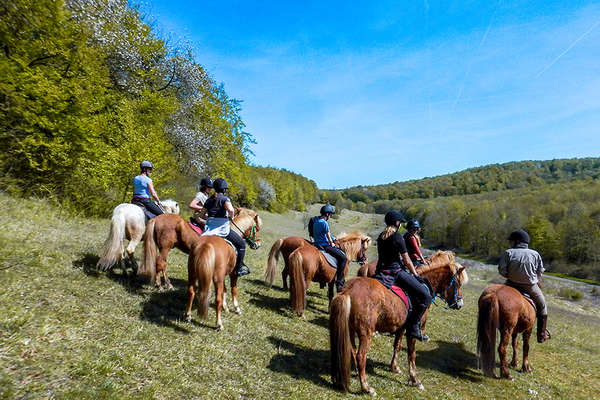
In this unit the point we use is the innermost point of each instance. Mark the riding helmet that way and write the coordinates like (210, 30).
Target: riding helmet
(206, 183)
(519, 236)
(220, 185)
(413, 224)
(146, 164)
(392, 216)
(327, 209)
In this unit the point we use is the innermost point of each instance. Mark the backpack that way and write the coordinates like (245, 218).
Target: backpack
(311, 224)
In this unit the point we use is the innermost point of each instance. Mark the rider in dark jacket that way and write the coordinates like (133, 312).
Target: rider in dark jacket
(324, 241)
(219, 212)
(395, 267)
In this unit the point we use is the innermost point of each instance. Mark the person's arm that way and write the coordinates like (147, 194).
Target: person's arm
(153, 192)
(195, 204)
(415, 244)
(329, 239)
(229, 209)
(409, 263)
(503, 265)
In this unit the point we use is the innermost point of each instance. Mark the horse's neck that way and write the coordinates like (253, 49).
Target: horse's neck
(241, 224)
(347, 247)
(436, 277)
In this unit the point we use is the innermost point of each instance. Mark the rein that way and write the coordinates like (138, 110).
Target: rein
(251, 238)
(456, 298)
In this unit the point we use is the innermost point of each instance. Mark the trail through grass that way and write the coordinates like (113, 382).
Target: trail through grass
(67, 331)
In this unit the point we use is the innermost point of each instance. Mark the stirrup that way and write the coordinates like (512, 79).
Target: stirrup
(243, 270)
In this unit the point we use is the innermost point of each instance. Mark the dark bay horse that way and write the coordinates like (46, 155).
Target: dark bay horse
(503, 308)
(211, 260)
(308, 264)
(285, 247)
(167, 231)
(365, 306)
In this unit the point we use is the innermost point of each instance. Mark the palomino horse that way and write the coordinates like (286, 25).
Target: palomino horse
(211, 259)
(505, 308)
(128, 222)
(285, 247)
(308, 264)
(165, 232)
(438, 258)
(365, 306)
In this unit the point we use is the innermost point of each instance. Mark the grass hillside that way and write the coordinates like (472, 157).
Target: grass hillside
(67, 331)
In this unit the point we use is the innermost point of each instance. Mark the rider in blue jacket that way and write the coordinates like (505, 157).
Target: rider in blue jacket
(324, 241)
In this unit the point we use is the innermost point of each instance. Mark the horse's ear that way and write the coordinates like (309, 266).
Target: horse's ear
(236, 211)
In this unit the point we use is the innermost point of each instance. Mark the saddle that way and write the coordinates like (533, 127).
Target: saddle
(197, 228)
(398, 291)
(330, 259)
(149, 215)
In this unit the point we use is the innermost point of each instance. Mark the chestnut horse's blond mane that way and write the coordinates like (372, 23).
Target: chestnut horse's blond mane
(442, 259)
(349, 243)
(244, 217)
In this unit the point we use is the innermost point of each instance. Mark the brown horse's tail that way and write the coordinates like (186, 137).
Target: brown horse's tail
(148, 268)
(201, 267)
(339, 341)
(113, 247)
(297, 282)
(272, 262)
(487, 324)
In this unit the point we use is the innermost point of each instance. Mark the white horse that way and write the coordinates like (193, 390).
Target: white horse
(128, 222)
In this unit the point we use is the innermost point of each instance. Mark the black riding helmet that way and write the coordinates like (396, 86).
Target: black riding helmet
(519, 236)
(206, 183)
(393, 216)
(327, 209)
(413, 224)
(220, 185)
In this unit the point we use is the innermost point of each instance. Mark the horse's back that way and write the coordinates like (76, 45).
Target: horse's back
(513, 307)
(291, 243)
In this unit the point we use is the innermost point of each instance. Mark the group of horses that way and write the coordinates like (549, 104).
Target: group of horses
(363, 307)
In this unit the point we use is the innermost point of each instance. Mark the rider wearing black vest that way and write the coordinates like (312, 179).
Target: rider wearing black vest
(218, 207)
(394, 267)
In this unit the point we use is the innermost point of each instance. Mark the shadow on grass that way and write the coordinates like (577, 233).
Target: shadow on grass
(304, 362)
(165, 309)
(451, 359)
(261, 283)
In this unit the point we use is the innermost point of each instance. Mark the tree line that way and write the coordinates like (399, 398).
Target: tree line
(88, 89)
(561, 212)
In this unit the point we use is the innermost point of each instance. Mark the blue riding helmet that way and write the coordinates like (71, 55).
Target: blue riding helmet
(220, 185)
(413, 224)
(327, 209)
(146, 164)
(206, 182)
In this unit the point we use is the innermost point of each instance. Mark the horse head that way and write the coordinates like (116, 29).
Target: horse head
(447, 281)
(355, 246)
(249, 223)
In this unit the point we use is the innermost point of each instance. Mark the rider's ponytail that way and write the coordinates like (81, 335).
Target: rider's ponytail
(389, 231)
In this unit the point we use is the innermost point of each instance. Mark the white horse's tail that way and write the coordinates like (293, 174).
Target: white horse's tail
(113, 247)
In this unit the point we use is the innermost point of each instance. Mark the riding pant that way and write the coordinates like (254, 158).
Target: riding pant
(149, 205)
(340, 256)
(240, 245)
(535, 293)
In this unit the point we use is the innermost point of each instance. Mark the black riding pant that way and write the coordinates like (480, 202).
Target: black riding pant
(240, 245)
(419, 295)
(340, 256)
(151, 206)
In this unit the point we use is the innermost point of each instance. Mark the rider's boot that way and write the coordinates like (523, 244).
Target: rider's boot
(413, 322)
(542, 333)
(339, 284)
(241, 268)
(415, 331)
(339, 279)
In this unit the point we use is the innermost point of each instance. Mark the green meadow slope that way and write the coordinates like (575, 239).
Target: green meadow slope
(67, 331)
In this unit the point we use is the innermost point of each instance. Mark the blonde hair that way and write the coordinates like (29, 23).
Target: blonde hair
(389, 231)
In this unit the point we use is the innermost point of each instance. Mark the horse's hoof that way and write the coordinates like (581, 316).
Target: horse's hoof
(396, 370)
(372, 392)
(416, 384)
(237, 310)
(187, 317)
(170, 288)
(509, 377)
(526, 370)
(219, 328)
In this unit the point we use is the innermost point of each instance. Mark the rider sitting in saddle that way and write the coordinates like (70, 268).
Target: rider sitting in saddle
(324, 241)
(219, 212)
(143, 189)
(523, 267)
(206, 185)
(413, 243)
(394, 267)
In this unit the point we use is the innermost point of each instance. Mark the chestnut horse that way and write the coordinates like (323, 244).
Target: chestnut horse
(438, 258)
(365, 306)
(128, 222)
(505, 308)
(308, 264)
(165, 232)
(211, 260)
(285, 247)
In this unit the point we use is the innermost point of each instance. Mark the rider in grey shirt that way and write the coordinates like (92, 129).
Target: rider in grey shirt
(523, 267)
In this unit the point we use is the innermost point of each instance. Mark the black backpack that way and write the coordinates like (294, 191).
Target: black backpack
(311, 224)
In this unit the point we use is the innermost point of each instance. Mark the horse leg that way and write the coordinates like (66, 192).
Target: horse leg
(190, 301)
(219, 289)
(364, 342)
(397, 348)
(330, 293)
(225, 306)
(284, 275)
(526, 367)
(161, 267)
(515, 344)
(411, 344)
(353, 351)
(504, 339)
(234, 294)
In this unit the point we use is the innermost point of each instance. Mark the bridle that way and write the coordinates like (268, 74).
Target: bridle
(250, 236)
(455, 284)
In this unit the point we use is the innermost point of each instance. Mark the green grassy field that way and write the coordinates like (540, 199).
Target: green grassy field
(67, 331)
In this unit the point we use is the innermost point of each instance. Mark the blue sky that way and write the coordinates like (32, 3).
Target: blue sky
(350, 93)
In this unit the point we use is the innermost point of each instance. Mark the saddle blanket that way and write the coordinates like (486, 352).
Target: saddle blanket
(196, 228)
(330, 259)
(398, 291)
(530, 300)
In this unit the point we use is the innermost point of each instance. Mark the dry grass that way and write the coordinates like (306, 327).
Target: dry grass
(67, 331)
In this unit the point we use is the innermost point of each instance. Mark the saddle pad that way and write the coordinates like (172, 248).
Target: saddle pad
(232, 246)
(330, 259)
(398, 291)
(195, 228)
